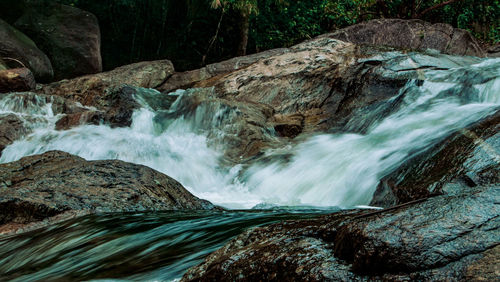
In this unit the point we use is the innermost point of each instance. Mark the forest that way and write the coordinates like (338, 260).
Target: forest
(193, 33)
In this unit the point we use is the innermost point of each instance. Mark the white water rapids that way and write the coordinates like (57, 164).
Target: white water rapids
(325, 170)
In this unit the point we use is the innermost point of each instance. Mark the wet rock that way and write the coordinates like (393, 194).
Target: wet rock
(91, 90)
(12, 128)
(113, 94)
(442, 238)
(13, 80)
(42, 186)
(16, 46)
(494, 51)
(183, 80)
(468, 158)
(121, 105)
(323, 85)
(289, 125)
(240, 129)
(69, 36)
(30, 103)
(77, 119)
(411, 34)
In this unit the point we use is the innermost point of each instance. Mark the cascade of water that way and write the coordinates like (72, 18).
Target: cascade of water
(326, 170)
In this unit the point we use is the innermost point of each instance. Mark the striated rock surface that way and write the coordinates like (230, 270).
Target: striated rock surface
(183, 80)
(468, 158)
(442, 238)
(42, 186)
(411, 34)
(13, 80)
(69, 36)
(17, 46)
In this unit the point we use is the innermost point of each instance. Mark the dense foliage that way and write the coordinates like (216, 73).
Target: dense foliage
(195, 32)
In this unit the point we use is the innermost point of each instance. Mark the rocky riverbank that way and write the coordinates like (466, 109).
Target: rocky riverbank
(441, 202)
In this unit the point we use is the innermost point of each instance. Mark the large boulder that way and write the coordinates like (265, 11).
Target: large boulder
(15, 45)
(42, 186)
(69, 36)
(411, 34)
(442, 238)
(19, 79)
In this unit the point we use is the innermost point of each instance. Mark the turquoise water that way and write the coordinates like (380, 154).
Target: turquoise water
(157, 246)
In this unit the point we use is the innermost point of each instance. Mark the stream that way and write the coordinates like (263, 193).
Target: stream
(324, 173)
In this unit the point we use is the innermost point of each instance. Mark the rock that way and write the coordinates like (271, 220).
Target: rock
(90, 90)
(69, 36)
(17, 46)
(42, 186)
(121, 105)
(320, 85)
(31, 103)
(111, 93)
(183, 80)
(468, 158)
(441, 238)
(243, 124)
(76, 119)
(11, 129)
(411, 34)
(494, 51)
(13, 80)
(289, 125)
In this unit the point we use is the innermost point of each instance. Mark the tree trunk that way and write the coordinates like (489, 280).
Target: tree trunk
(244, 25)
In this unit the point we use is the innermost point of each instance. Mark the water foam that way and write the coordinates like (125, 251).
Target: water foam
(325, 170)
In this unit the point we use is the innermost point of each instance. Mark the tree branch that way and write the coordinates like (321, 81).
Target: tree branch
(419, 15)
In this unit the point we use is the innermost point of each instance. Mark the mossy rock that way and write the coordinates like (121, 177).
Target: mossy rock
(18, 50)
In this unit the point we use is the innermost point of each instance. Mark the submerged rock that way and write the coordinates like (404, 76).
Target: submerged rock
(17, 46)
(42, 186)
(411, 34)
(69, 36)
(442, 238)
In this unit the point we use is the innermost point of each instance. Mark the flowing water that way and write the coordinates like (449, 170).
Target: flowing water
(326, 170)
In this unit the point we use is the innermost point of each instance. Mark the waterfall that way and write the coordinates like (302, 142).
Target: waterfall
(339, 169)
